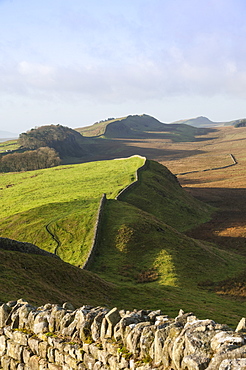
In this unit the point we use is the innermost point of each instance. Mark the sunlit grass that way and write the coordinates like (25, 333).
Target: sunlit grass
(62, 200)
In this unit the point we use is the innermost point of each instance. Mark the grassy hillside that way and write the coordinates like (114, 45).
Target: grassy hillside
(154, 266)
(62, 202)
(141, 251)
(9, 145)
(158, 192)
(97, 129)
(40, 280)
(141, 126)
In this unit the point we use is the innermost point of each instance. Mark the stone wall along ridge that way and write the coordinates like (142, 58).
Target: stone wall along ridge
(128, 187)
(97, 229)
(62, 338)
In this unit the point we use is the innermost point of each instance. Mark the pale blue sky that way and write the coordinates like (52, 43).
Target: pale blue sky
(76, 62)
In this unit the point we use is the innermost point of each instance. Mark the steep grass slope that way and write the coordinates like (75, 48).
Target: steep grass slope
(56, 208)
(158, 192)
(155, 266)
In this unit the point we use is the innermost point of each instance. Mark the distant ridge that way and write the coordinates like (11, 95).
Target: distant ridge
(204, 122)
(200, 121)
(7, 135)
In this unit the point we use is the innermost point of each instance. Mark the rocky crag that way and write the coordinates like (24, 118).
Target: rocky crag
(60, 337)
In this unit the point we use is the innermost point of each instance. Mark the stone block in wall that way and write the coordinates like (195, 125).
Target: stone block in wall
(113, 363)
(13, 364)
(51, 354)
(34, 362)
(56, 315)
(241, 325)
(79, 354)
(27, 353)
(236, 364)
(59, 357)
(3, 345)
(43, 364)
(94, 350)
(104, 327)
(8, 332)
(112, 348)
(133, 337)
(71, 349)
(23, 313)
(21, 367)
(96, 326)
(14, 350)
(33, 344)
(113, 316)
(41, 324)
(103, 356)
(70, 330)
(223, 338)
(146, 341)
(67, 319)
(54, 367)
(13, 318)
(42, 349)
(227, 353)
(20, 338)
(160, 337)
(81, 366)
(70, 361)
(89, 361)
(56, 342)
(5, 362)
(4, 313)
(195, 362)
(98, 365)
(173, 330)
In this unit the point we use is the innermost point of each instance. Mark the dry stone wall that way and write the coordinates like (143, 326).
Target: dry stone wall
(59, 337)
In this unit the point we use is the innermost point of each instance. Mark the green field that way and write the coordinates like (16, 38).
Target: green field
(143, 259)
(8, 145)
(62, 202)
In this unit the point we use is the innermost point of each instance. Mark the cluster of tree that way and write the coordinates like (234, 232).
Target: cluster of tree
(241, 123)
(104, 120)
(43, 157)
(66, 141)
(44, 136)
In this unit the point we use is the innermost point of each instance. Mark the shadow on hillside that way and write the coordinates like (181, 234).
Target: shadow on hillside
(227, 227)
(103, 149)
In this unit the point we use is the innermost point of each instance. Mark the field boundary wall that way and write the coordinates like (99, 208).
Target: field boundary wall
(130, 186)
(97, 229)
(57, 337)
(234, 162)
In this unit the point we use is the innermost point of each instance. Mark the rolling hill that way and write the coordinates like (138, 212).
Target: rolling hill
(143, 258)
(141, 126)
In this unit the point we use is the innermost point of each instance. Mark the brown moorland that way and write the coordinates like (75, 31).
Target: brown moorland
(206, 169)
(223, 188)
